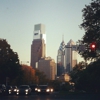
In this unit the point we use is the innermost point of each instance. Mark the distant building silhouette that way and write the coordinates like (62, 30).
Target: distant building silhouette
(61, 59)
(38, 47)
(70, 55)
(48, 66)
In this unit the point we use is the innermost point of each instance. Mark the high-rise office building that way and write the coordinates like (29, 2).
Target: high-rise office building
(61, 59)
(70, 55)
(38, 47)
(48, 66)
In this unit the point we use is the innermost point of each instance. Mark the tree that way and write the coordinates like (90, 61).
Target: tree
(41, 77)
(28, 75)
(77, 72)
(87, 78)
(91, 26)
(9, 63)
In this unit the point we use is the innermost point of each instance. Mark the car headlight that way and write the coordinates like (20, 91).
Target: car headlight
(47, 90)
(51, 90)
(39, 90)
(35, 89)
(9, 90)
(26, 90)
(17, 90)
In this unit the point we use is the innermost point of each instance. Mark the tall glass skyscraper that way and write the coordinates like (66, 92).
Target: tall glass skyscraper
(61, 59)
(38, 47)
(70, 55)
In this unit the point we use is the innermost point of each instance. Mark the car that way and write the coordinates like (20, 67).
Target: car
(33, 87)
(23, 89)
(9, 89)
(44, 89)
(14, 89)
(2, 89)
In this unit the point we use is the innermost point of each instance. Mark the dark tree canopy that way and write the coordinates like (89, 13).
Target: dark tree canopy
(9, 62)
(91, 26)
(42, 78)
(87, 78)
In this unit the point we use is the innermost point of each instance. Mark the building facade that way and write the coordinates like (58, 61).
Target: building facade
(38, 47)
(48, 66)
(70, 56)
(61, 59)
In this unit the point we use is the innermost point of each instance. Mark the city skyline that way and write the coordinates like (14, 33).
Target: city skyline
(60, 18)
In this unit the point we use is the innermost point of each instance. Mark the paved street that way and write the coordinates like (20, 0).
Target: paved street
(53, 97)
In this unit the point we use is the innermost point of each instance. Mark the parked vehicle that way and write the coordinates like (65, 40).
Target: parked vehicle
(24, 89)
(44, 89)
(2, 89)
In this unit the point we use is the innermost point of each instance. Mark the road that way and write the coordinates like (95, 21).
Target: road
(53, 96)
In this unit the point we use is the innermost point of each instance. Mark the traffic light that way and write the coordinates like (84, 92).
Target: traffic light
(93, 46)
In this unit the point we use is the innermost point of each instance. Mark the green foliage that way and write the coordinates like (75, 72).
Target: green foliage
(9, 63)
(77, 71)
(42, 79)
(91, 26)
(87, 79)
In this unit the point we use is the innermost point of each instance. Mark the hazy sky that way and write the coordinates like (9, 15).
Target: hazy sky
(61, 17)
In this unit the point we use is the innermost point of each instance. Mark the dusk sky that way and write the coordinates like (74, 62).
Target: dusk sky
(60, 17)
